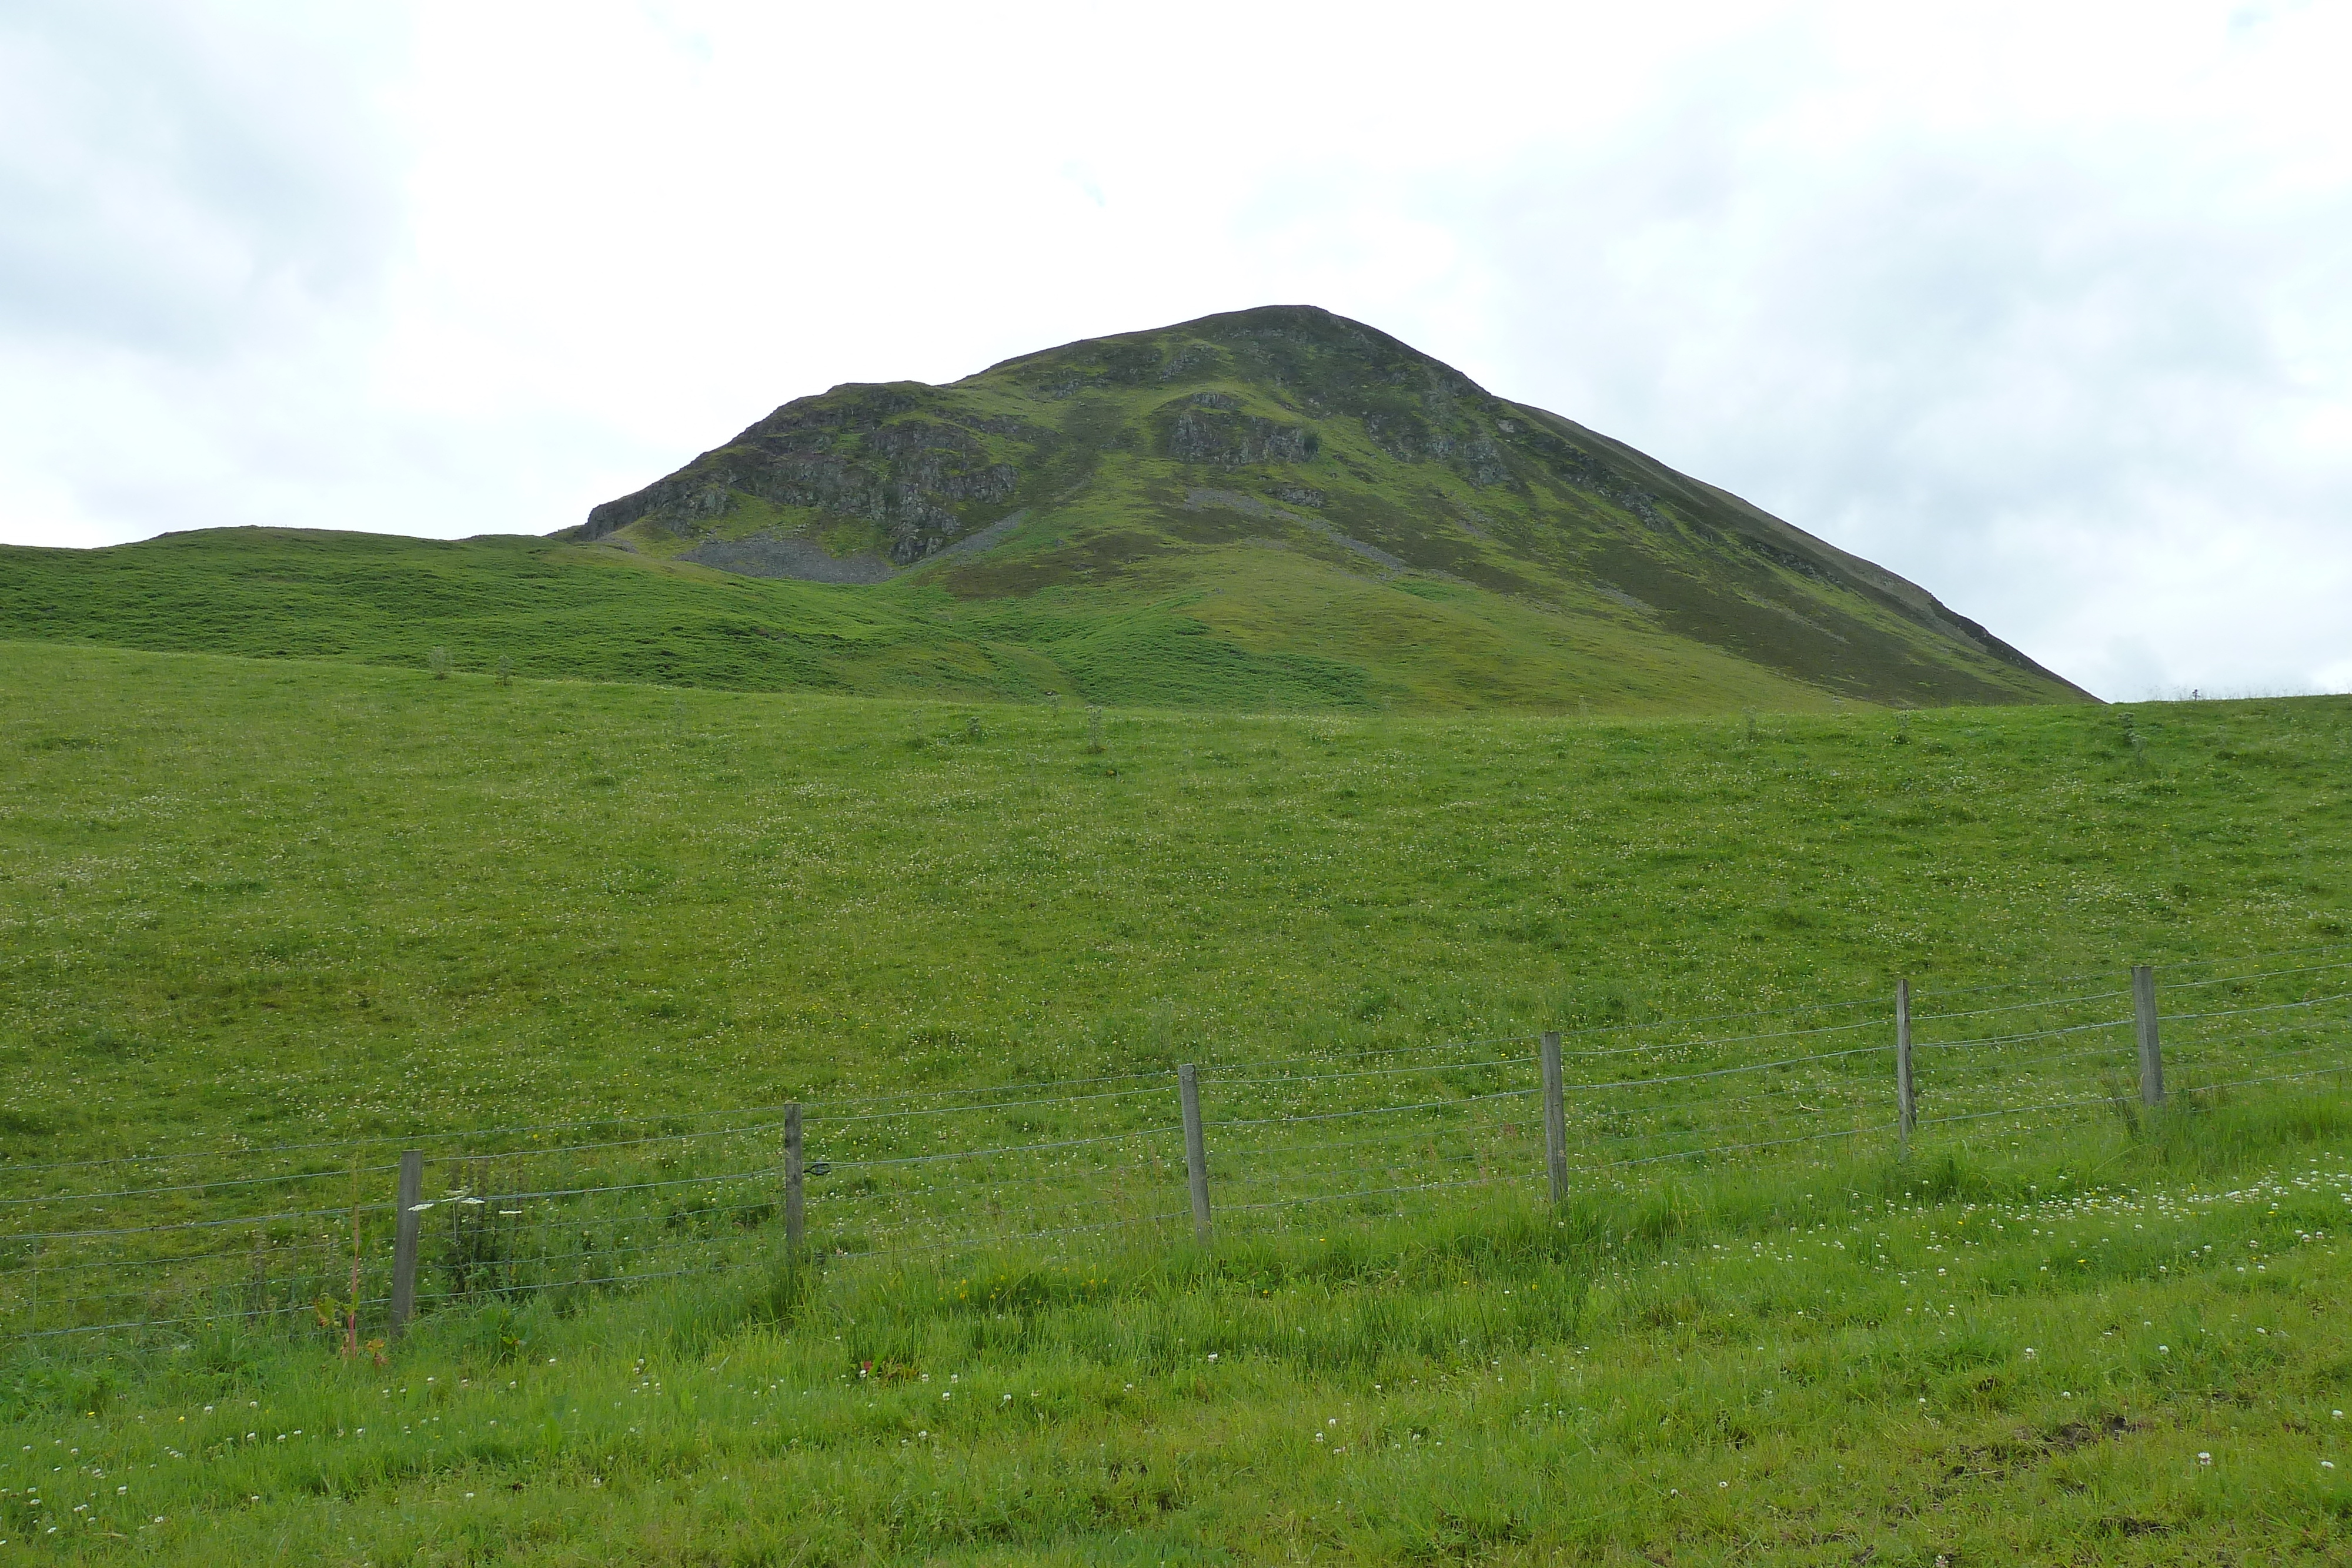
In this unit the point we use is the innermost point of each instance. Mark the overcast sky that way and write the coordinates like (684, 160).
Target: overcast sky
(2044, 307)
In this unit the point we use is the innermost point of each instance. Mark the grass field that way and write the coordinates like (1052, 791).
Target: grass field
(265, 902)
(1969, 1362)
(346, 901)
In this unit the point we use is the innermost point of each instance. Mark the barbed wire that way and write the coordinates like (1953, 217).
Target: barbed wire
(1735, 1148)
(2267, 1007)
(818, 1107)
(2121, 1054)
(2189, 1087)
(765, 1172)
(1472, 1044)
(2017, 1110)
(1379, 1110)
(2219, 1050)
(1007, 1149)
(964, 1242)
(1162, 1072)
(2017, 1039)
(1373, 1192)
(293, 1310)
(2020, 1007)
(411, 1139)
(989, 1105)
(711, 1268)
(2278, 1078)
(192, 1224)
(1224, 1083)
(919, 1193)
(2259, 958)
(2265, 974)
(1725, 1071)
(192, 1187)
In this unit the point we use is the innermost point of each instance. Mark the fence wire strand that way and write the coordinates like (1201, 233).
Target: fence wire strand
(512, 1218)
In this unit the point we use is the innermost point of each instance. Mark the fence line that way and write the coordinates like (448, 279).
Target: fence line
(1162, 1076)
(510, 1220)
(2265, 974)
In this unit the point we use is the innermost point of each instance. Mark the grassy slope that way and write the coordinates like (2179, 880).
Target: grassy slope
(1956, 1364)
(334, 900)
(364, 899)
(1275, 630)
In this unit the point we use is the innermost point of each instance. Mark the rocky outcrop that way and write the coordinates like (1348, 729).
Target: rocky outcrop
(852, 453)
(764, 555)
(1222, 438)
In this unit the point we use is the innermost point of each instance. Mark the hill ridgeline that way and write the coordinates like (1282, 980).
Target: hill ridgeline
(1183, 456)
(1277, 507)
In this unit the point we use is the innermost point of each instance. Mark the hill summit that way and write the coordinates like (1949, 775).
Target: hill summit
(1271, 508)
(1303, 483)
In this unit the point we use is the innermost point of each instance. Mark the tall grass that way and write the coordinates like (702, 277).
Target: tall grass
(1829, 1357)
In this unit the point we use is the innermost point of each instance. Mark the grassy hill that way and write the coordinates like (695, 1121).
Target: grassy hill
(544, 607)
(1276, 507)
(247, 902)
(298, 884)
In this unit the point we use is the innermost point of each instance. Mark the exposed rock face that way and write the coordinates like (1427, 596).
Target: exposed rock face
(805, 560)
(762, 555)
(1226, 440)
(843, 453)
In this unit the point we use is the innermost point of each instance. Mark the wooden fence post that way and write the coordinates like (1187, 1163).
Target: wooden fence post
(1196, 1152)
(792, 1180)
(1907, 1098)
(406, 1224)
(2151, 1050)
(1555, 1114)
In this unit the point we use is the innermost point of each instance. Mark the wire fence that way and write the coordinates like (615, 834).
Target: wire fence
(170, 1245)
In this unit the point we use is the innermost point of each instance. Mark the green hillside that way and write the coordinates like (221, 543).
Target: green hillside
(249, 902)
(364, 899)
(1276, 507)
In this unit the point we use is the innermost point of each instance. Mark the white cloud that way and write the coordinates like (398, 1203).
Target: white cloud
(2039, 307)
